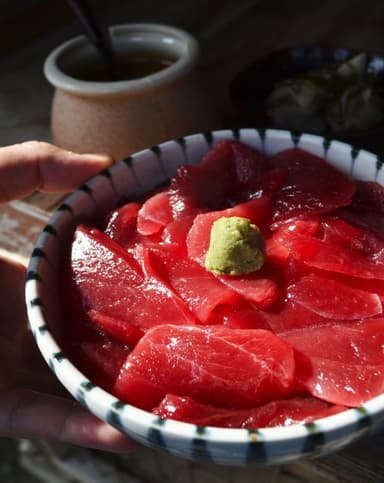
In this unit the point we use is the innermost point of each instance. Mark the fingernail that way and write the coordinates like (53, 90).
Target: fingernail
(100, 158)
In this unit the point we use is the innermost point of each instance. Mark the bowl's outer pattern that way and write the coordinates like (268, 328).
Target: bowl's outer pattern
(137, 175)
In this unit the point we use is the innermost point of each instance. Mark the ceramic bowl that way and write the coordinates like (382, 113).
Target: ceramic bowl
(120, 117)
(137, 175)
(251, 86)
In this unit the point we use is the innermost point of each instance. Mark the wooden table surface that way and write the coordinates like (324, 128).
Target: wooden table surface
(232, 34)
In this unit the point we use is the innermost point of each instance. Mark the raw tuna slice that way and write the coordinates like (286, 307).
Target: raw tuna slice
(219, 366)
(369, 196)
(312, 187)
(210, 184)
(155, 214)
(182, 206)
(277, 413)
(351, 237)
(99, 358)
(293, 316)
(231, 172)
(175, 233)
(109, 280)
(343, 249)
(198, 238)
(333, 299)
(367, 208)
(297, 228)
(252, 178)
(121, 330)
(342, 364)
(242, 315)
(273, 180)
(253, 287)
(323, 256)
(366, 219)
(121, 223)
(201, 291)
(368, 285)
(278, 253)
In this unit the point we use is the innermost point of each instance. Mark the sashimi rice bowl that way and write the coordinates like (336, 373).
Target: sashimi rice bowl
(220, 296)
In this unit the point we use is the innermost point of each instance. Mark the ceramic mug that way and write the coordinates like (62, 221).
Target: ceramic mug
(124, 116)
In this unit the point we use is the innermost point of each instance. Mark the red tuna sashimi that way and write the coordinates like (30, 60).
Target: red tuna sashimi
(109, 280)
(293, 316)
(369, 196)
(253, 178)
(198, 288)
(348, 236)
(250, 165)
(333, 299)
(90, 348)
(297, 228)
(155, 214)
(368, 285)
(100, 358)
(241, 315)
(367, 208)
(121, 223)
(208, 185)
(253, 287)
(323, 256)
(285, 412)
(182, 208)
(198, 239)
(230, 172)
(369, 220)
(121, 330)
(343, 249)
(175, 233)
(278, 254)
(342, 364)
(312, 187)
(219, 366)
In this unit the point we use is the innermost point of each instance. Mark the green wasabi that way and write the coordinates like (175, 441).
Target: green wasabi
(236, 247)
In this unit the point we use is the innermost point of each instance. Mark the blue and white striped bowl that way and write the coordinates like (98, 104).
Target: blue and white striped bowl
(135, 176)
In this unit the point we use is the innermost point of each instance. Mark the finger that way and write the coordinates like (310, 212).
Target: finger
(13, 318)
(27, 414)
(35, 165)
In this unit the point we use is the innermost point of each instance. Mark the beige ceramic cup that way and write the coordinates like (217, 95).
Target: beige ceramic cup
(122, 117)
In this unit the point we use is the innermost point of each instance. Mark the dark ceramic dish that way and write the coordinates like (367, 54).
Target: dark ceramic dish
(250, 88)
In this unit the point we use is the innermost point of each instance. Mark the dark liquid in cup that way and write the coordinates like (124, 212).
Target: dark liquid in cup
(128, 68)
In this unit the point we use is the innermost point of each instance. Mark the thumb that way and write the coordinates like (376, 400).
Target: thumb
(34, 165)
(27, 414)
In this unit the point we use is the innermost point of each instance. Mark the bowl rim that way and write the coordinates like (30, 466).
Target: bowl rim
(100, 402)
(188, 54)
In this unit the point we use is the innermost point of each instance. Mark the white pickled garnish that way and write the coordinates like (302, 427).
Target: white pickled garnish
(338, 99)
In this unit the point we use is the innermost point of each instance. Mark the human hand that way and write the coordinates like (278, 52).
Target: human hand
(32, 403)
